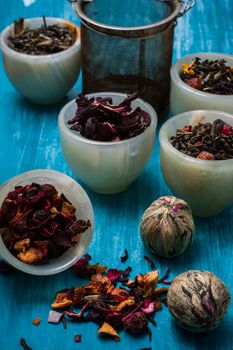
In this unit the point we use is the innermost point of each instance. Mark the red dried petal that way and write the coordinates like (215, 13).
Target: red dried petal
(114, 274)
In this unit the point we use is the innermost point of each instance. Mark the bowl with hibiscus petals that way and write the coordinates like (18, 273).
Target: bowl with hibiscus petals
(107, 139)
(46, 222)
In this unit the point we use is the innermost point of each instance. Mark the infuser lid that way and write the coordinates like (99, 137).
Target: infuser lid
(130, 18)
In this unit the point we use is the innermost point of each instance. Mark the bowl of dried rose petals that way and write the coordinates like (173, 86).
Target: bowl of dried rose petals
(202, 80)
(46, 222)
(107, 139)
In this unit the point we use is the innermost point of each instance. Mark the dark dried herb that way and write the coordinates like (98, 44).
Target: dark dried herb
(37, 224)
(98, 119)
(214, 77)
(24, 344)
(165, 277)
(207, 141)
(64, 323)
(125, 257)
(47, 39)
(84, 270)
(150, 261)
(136, 323)
(78, 338)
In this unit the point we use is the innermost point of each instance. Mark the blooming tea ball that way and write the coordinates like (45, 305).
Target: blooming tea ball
(167, 227)
(198, 300)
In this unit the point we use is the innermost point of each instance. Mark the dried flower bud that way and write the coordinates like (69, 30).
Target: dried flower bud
(205, 156)
(198, 300)
(136, 322)
(167, 226)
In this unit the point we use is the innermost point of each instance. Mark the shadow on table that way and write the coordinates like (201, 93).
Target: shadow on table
(142, 192)
(33, 109)
(220, 338)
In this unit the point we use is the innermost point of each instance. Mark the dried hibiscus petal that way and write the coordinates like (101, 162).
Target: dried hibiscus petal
(114, 274)
(24, 344)
(78, 338)
(136, 323)
(150, 261)
(98, 119)
(125, 256)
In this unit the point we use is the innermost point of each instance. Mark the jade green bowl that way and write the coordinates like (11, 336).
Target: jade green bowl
(207, 185)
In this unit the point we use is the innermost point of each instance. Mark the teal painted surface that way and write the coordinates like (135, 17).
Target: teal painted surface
(30, 140)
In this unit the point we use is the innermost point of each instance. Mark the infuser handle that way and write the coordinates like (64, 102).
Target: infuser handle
(185, 6)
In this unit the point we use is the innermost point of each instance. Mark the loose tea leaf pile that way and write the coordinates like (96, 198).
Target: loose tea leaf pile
(98, 119)
(45, 40)
(206, 141)
(37, 224)
(113, 307)
(214, 77)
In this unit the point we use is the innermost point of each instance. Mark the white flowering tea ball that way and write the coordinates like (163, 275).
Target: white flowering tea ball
(198, 300)
(167, 227)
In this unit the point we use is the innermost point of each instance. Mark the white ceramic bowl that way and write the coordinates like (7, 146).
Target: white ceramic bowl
(44, 79)
(78, 197)
(106, 167)
(184, 98)
(206, 185)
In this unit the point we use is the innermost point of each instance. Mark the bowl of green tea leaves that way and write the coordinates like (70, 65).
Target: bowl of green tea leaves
(41, 57)
(202, 80)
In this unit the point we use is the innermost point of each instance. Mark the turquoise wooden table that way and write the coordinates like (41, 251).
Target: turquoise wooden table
(30, 140)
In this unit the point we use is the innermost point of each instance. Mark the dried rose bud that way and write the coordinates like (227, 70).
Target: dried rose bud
(194, 82)
(167, 227)
(205, 156)
(227, 130)
(187, 128)
(198, 300)
(136, 322)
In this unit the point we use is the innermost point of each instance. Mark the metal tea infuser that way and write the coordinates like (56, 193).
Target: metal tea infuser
(126, 46)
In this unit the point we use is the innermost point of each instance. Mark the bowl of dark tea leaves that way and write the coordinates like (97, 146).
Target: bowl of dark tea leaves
(46, 222)
(202, 81)
(41, 57)
(196, 157)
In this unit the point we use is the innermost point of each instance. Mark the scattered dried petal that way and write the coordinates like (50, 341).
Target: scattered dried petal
(107, 329)
(54, 316)
(125, 257)
(150, 261)
(136, 323)
(36, 321)
(114, 274)
(78, 338)
(24, 344)
(61, 301)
